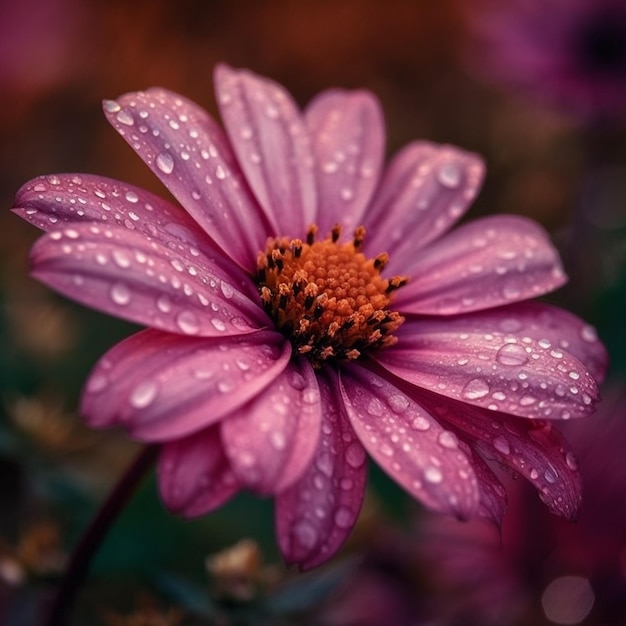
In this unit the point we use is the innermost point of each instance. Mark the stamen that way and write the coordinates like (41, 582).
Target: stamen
(327, 296)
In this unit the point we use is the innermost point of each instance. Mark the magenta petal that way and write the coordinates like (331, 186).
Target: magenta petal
(122, 273)
(193, 474)
(493, 499)
(348, 139)
(162, 386)
(489, 360)
(271, 142)
(483, 264)
(189, 152)
(409, 444)
(425, 190)
(533, 449)
(271, 441)
(315, 516)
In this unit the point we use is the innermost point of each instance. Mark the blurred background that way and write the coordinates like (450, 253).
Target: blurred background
(537, 88)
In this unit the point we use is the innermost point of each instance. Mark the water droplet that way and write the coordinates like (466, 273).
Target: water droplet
(588, 333)
(375, 407)
(97, 383)
(450, 175)
(121, 258)
(475, 389)
(120, 294)
(165, 162)
(344, 518)
(511, 354)
(355, 455)
(433, 475)
(448, 440)
(278, 440)
(420, 423)
(218, 324)
(305, 534)
(551, 475)
(502, 445)
(325, 464)
(571, 461)
(227, 289)
(188, 322)
(124, 117)
(399, 404)
(110, 106)
(143, 394)
(132, 197)
(164, 304)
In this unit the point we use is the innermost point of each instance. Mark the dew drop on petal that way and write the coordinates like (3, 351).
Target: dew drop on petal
(188, 322)
(448, 440)
(511, 354)
(144, 394)
(343, 517)
(433, 475)
(165, 162)
(475, 389)
(97, 383)
(502, 445)
(450, 175)
(120, 294)
(355, 455)
(305, 534)
(420, 423)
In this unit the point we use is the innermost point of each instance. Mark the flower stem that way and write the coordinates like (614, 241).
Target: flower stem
(88, 545)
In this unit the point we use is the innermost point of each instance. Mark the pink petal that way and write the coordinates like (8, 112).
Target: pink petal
(489, 360)
(271, 142)
(533, 449)
(483, 264)
(409, 444)
(425, 190)
(122, 273)
(193, 474)
(162, 386)
(315, 516)
(271, 442)
(348, 140)
(493, 500)
(188, 151)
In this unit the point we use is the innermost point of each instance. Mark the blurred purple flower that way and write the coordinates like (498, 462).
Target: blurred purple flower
(572, 573)
(275, 359)
(572, 51)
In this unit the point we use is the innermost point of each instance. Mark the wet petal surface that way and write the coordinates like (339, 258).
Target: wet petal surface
(272, 146)
(533, 449)
(193, 474)
(483, 264)
(348, 134)
(425, 190)
(162, 386)
(409, 444)
(189, 152)
(271, 441)
(315, 516)
(122, 273)
(491, 360)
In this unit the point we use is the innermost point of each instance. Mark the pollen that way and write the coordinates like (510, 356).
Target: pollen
(327, 297)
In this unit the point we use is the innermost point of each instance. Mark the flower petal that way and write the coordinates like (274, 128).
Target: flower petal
(271, 142)
(189, 152)
(348, 140)
(493, 499)
(534, 449)
(483, 264)
(162, 386)
(425, 190)
(193, 474)
(409, 444)
(122, 273)
(271, 442)
(315, 515)
(490, 360)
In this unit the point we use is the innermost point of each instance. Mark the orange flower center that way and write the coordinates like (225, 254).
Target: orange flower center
(327, 296)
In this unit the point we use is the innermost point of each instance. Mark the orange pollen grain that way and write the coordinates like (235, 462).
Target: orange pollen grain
(327, 296)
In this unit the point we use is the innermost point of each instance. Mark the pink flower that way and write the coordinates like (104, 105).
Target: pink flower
(278, 353)
(572, 51)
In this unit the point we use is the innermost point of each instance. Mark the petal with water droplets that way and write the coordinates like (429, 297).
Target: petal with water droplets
(271, 442)
(348, 139)
(122, 273)
(533, 449)
(472, 358)
(315, 515)
(189, 152)
(424, 191)
(193, 474)
(483, 264)
(271, 142)
(162, 386)
(409, 444)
